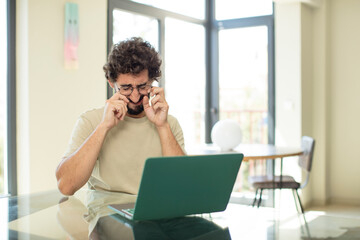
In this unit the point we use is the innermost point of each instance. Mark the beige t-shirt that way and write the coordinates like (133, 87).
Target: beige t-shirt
(126, 147)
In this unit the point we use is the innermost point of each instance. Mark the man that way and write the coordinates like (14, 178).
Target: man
(109, 145)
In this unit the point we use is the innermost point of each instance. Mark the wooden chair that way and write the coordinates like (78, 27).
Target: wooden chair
(285, 181)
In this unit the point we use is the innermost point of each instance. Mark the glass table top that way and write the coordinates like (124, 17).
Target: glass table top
(85, 215)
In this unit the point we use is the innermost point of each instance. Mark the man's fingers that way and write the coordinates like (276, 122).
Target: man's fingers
(158, 102)
(160, 106)
(117, 103)
(123, 98)
(146, 102)
(119, 108)
(115, 109)
(119, 96)
(155, 100)
(156, 91)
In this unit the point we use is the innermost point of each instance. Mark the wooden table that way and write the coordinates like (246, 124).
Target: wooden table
(251, 151)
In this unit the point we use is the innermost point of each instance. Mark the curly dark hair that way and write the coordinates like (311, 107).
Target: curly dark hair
(132, 56)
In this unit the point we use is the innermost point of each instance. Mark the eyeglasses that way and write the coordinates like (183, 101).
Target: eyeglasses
(126, 90)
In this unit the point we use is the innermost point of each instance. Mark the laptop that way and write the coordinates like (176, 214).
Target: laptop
(183, 185)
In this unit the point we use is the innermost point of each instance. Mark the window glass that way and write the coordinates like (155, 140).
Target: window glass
(191, 8)
(227, 9)
(243, 80)
(127, 25)
(185, 77)
(4, 219)
(3, 94)
(243, 86)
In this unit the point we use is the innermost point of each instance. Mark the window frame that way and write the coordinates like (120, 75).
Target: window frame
(11, 99)
(148, 11)
(268, 21)
(212, 27)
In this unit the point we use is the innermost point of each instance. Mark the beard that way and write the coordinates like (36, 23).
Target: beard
(138, 109)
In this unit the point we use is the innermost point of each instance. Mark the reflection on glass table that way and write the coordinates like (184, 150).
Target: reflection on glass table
(49, 215)
(106, 224)
(86, 215)
(192, 227)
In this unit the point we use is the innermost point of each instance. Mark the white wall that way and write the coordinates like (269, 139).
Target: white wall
(49, 97)
(288, 74)
(318, 192)
(327, 44)
(344, 100)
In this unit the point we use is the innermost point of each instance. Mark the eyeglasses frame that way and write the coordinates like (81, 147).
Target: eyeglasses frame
(132, 88)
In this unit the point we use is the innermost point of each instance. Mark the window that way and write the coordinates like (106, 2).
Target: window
(246, 79)
(127, 25)
(170, 33)
(243, 89)
(3, 95)
(243, 80)
(230, 9)
(185, 77)
(191, 8)
(215, 67)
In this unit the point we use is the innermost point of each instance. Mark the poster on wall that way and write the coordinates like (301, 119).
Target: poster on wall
(71, 36)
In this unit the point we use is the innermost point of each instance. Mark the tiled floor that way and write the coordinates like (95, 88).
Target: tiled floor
(339, 210)
(333, 222)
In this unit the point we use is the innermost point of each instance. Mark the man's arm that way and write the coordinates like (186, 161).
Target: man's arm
(74, 171)
(169, 145)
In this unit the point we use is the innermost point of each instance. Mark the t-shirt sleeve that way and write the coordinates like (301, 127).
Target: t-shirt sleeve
(177, 131)
(82, 130)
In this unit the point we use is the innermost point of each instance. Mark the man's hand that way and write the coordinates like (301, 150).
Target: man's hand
(158, 111)
(115, 110)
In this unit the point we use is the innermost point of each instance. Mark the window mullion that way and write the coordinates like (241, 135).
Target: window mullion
(212, 70)
(11, 98)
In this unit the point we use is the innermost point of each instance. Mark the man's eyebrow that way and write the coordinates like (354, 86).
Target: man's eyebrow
(143, 84)
(125, 85)
(130, 85)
